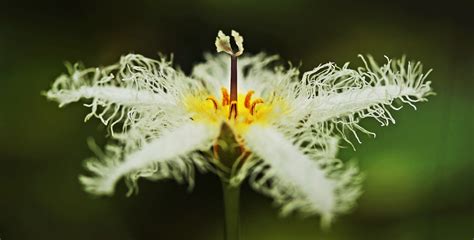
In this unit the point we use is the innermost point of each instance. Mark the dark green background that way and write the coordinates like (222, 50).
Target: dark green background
(419, 172)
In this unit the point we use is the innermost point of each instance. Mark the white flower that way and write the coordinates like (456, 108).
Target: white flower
(282, 131)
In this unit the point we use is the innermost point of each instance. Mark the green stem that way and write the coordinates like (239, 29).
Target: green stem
(231, 207)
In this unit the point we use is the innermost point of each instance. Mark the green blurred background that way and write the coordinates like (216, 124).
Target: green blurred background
(420, 172)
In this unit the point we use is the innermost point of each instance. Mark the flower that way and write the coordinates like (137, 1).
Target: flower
(280, 131)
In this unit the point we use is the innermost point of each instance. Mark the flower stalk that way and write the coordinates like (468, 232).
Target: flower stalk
(229, 154)
(231, 195)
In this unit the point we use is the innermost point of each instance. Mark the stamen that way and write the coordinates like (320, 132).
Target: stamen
(233, 110)
(248, 97)
(214, 101)
(225, 97)
(254, 104)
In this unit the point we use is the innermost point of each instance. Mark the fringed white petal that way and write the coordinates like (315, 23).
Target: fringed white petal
(127, 91)
(344, 96)
(159, 154)
(297, 181)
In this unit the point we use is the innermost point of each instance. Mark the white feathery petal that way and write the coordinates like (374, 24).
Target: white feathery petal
(298, 182)
(168, 149)
(214, 72)
(134, 88)
(344, 96)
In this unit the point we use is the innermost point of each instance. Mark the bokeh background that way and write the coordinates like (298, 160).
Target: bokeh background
(419, 172)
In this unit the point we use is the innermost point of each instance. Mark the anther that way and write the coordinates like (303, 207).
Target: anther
(214, 101)
(225, 97)
(254, 104)
(248, 97)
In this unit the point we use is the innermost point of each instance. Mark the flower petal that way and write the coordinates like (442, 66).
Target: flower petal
(169, 149)
(298, 182)
(126, 91)
(344, 96)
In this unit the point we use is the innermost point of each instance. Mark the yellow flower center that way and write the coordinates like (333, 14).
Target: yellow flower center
(237, 114)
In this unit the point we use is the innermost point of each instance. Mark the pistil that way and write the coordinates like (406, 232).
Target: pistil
(223, 45)
(233, 87)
